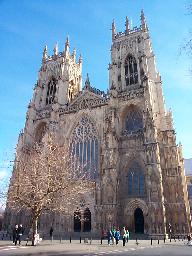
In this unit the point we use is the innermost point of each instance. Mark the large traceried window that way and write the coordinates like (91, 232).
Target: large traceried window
(51, 90)
(131, 72)
(85, 147)
(136, 180)
(133, 121)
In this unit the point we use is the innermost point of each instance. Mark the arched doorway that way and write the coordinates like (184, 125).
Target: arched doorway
(77, 221)
(87, 220)
(139, 221)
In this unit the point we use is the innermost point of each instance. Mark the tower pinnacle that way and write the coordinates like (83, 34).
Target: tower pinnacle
(56, 49)
(127, 26)
(67, 45)
(113, 30)
(45, 55)
(74, 54)
(143, 21)
(87, 83)
(80, 59)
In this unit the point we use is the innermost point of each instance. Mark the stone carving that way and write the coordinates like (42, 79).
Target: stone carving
(43, 114)
(86, 100)
(128, 95)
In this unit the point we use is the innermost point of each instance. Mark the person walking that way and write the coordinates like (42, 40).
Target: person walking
(51, 233)
(124, 236)
(109, 236)
(117, 236)
(20, 233)
(127, 235)
(113, 231)
(15, 231)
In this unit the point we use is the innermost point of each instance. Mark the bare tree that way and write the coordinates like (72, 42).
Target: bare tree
(43, 174)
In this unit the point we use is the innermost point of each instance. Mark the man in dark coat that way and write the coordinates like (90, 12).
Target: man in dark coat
(15, 232)
(51, 232)
(20, 233)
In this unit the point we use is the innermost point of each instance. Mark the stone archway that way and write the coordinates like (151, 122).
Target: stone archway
(87, 220)
(77, 221)
(139, 221)
(135, 214)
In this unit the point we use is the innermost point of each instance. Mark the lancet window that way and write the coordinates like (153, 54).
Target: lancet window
(131, 71)
(51, 90)
(133, 121)
(85, 147)
(136, 180)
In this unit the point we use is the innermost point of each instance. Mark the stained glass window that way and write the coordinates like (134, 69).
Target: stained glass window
(85, 146)
(133, 121)
(136, 180)
(131, 73)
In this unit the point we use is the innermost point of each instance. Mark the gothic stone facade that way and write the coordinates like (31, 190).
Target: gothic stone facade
(126, 135)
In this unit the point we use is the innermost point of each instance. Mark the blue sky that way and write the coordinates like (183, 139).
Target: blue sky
(26, 26)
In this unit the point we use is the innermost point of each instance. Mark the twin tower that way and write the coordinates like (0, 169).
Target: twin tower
(126, 135)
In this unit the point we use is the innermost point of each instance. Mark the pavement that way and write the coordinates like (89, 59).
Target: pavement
(95, 248)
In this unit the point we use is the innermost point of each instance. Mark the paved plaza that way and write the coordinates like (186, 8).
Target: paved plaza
(144, 247)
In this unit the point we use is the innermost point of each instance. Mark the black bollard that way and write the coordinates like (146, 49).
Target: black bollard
(170, 240)
(158, 240)
(151, 241)
(80, 240)
(164, 239)
(70, 239)
(101, 240)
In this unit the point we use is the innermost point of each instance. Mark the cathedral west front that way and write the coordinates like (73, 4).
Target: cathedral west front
(125, 134)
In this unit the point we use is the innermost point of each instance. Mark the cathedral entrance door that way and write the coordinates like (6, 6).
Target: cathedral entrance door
(77, 221)
(139, 221)
(87, 220)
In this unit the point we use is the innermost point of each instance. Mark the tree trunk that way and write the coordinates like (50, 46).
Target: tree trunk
(34, 228)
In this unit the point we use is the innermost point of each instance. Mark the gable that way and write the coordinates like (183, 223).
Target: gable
(84, 100)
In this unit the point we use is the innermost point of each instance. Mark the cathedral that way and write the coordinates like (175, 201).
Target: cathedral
(125, 134)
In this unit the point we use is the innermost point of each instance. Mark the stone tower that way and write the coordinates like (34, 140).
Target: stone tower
(125, 135)
(59, 81)
(145, 139)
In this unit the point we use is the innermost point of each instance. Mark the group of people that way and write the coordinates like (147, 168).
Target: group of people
(17, 234)
(114, 235)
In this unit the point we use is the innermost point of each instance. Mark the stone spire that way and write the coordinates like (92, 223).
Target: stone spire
(67, 46)
(74, 54)
(87, 83)
(80, 59)
(113, 30)
(45, 55)
(127, 27)
(56, 49)
(143, 21)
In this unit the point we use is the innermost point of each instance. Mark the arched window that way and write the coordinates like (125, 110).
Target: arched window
(40, 131)
(85, 147)
(133, 121)
(131, 72)
(136, 180)
(51, 90)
